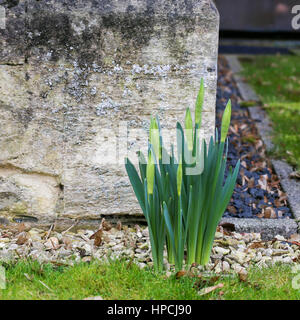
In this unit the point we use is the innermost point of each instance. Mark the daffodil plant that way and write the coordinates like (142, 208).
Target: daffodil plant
(184, 198)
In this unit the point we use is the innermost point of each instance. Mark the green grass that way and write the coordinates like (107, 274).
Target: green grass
(276, 79)
(120, 280)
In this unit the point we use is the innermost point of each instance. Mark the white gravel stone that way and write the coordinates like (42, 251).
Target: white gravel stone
(221, 250)
(268, 252)
(287, 260)
(218, 235)
(145, 232)
(118, 247)
(238, 256)
(236, 267)
(280, 238)
(225, 266)
(13, 247)
(219, 267)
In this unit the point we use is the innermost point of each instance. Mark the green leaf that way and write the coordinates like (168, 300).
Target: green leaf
(180, 141)
(199, 104)
(179, 177)
(189, 129)
(226, 121)
(142, 164)
(169, 227)
(136, 183)
(150, 173)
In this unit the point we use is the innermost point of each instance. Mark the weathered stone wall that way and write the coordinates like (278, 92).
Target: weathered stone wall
(78, 76)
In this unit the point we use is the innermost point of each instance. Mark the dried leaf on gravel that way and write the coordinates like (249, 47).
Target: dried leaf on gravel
(21, 227)
(232, 209)
(251, 183)
(263, 181)
(106, 225)
(22, 238)
(258, 144)
(243, 276)
(227, 227)
(180, 274)
(210, 289)
(269, 213)
(119, 225)
(97, 236)
(256, 245)
(295, 237)
(201, 282)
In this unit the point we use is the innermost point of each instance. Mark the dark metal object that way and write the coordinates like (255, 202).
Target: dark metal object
(231, 49)
(256, 15)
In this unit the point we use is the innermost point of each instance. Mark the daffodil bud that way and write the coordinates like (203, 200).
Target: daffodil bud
(199, 104)
(150, 173)
(225, 121)
(154, 138)
(189, 129)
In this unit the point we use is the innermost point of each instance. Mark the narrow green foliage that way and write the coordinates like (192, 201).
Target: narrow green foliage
(179, 178)
(189, 128)
(184, 201)
(199, 104)
(136, 183)
(226, 121)
(150, 173)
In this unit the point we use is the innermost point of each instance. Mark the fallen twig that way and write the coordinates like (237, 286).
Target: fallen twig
(49, 231)
(72, 226)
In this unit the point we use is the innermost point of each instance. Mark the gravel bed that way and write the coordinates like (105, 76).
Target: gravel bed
(258, 193)
(232, 252)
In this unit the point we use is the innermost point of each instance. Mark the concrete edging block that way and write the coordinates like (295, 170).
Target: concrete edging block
(268, 228)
